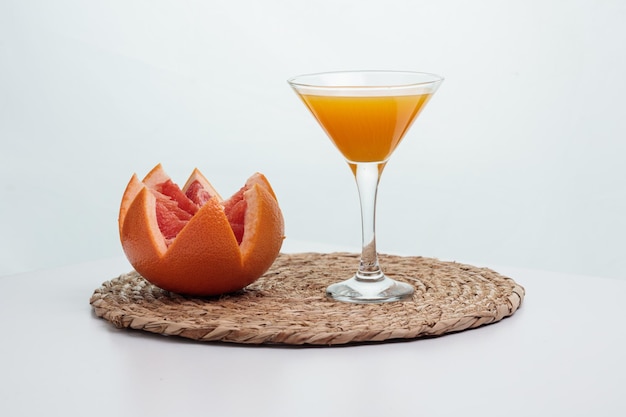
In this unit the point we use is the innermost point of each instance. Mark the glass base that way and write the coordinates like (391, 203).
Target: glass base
(355, 290)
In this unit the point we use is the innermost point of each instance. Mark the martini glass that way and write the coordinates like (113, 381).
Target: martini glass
(366, 114)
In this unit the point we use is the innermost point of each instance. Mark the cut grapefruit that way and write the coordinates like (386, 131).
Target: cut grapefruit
(190, 241)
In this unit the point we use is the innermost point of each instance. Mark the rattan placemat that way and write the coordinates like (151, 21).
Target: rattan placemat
(288, 305)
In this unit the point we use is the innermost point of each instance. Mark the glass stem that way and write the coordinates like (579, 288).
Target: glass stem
(367, 177)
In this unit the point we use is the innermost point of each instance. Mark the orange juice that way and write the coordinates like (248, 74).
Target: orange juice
(366, 128)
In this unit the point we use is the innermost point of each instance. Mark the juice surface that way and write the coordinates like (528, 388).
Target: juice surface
(366, 129)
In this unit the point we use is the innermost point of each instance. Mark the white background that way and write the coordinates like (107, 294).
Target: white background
(517, 160)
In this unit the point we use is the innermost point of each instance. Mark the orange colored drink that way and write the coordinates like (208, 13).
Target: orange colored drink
(366, 114)
(366, 128)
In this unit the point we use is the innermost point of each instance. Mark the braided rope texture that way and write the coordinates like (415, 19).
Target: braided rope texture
(288, 305)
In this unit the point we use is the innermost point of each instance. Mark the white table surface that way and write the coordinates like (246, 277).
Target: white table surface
(562, 354)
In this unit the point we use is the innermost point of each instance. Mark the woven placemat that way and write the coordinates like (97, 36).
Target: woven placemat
(288, 304)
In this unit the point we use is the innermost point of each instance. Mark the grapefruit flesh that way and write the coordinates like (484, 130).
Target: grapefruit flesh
(191, 241)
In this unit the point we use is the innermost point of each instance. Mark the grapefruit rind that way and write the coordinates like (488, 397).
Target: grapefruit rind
(130, 193)
(142, 241)
(157, 175)
(260, 213)
(196, 175)
(220, 250)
